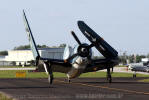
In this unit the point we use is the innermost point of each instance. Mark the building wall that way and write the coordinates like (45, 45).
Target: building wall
(56, 53)
(23, 56)
(19, 55)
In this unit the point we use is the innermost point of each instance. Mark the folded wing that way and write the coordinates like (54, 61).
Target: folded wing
(100, 44)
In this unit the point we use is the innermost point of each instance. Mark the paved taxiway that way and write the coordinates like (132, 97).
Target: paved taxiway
(81, 88)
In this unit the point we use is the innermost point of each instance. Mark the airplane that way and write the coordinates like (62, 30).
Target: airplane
(80, 59)
(140, 68)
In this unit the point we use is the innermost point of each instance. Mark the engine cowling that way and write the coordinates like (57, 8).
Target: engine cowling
(84, 50)
(77, 67)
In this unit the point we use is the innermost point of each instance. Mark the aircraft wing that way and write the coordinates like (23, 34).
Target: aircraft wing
(56, 61)
(30, 37)
(100, 44)
(101, 64)
(34, 47)
(110, 54)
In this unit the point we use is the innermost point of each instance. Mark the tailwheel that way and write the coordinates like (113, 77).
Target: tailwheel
(109, 77)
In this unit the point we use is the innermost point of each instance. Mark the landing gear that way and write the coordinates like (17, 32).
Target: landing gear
(50, 79)
(134, 75)
(112, 69)
(50, 72)
(68, 80)
(109, 78)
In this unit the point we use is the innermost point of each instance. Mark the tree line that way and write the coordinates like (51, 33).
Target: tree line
(23, 47)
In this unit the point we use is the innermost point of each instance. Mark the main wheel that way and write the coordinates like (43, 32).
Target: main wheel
(50, 79)
(109, 78)
(68, 80)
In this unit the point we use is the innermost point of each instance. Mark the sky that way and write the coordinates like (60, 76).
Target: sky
(124, 24)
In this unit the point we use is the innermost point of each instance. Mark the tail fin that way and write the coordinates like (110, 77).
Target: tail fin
(31, 38)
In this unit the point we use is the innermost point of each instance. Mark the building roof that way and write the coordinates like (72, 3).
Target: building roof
(48, 49)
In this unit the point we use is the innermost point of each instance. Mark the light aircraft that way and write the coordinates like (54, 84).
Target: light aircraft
(80, 59)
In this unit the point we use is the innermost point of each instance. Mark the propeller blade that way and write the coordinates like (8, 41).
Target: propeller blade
(76, 38)
(101, 45)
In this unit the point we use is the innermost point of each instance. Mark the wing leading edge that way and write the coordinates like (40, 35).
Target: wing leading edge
(34, 47)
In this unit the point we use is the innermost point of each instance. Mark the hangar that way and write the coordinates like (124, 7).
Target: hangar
(24, 57)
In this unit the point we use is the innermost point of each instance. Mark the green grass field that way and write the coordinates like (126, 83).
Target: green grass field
(12, 74)
(144, 80)
(17, 67)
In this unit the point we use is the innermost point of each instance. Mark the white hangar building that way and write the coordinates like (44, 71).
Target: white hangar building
(22, 57)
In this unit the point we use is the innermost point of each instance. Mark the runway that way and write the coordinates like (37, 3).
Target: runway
(81, 88)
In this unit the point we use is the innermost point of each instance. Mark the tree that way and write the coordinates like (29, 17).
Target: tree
(42, 46)
(147, 55)
(62, 45)
(139, 57)
(22, 47)
(3, 53)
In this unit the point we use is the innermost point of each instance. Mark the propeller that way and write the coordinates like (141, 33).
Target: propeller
(83, 49)
(96, 41)
(76, 38)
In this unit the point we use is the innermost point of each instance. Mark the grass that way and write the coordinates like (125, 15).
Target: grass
(12, 74)
(17, 67)
(115, 74)
(4, 97)
(121, 66)
(144, 80)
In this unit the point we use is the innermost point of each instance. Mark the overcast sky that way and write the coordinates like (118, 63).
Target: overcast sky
(124, 24)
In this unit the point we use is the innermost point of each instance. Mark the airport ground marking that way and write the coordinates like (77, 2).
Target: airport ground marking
(105, 87)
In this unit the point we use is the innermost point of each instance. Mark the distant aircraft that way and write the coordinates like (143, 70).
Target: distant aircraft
(144, 67)
(79, 60)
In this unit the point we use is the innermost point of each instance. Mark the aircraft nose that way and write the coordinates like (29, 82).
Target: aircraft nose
(81, 60)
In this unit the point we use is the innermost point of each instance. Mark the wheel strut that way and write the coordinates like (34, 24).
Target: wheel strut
(109, 78)
(49, 69)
